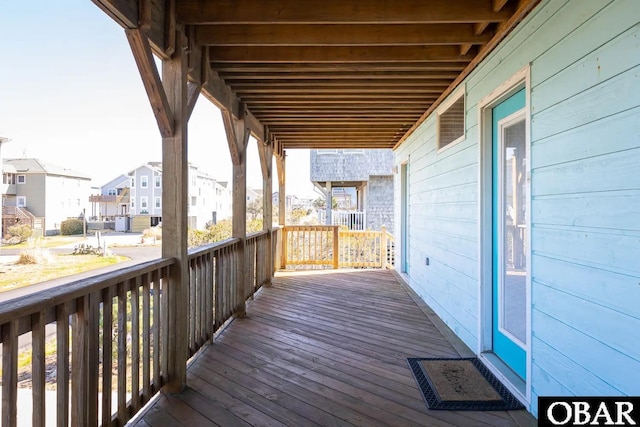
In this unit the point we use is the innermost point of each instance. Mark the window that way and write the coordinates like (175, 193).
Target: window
(111, 192)
(133, 182)
(22, 201)
(22, 179)
(144, 203)
(158, 202)
(450, 120)
(78, 202)
(158, 181)
(194, 200)
(9, 178)
(144, 181)
(133, 203)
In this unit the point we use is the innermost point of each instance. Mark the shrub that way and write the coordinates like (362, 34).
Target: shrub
(71, 227)
(220, 231)
(152, 233)
(21, 231)
(35, 256)
(84, 249)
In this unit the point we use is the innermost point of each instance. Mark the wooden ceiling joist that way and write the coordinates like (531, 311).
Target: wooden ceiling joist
(338, 11)
(339, 35)
(322, 73)
(346, 78)
(342, 54)
(334, 67)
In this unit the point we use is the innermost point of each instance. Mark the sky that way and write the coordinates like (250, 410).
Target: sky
(71, 95)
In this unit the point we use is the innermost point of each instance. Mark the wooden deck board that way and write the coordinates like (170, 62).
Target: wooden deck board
(324, 349)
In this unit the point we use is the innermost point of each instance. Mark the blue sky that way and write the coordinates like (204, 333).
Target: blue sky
(70, 94)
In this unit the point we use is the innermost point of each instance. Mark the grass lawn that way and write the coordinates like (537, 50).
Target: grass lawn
(14, 276)
(48, 242)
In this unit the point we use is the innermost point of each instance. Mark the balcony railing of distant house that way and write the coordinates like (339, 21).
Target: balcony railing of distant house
(352, 220)
(106, 337)
(332, 246)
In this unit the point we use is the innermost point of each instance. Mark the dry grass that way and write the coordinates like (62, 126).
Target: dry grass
(35, 256)
(14, 276)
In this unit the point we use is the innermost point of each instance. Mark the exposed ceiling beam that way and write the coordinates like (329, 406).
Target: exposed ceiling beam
(256, 77)
(340, 92)
(337, 11)
(427, 100)
(337, 35)
(341, 54)
(337, 67)
(318, 83)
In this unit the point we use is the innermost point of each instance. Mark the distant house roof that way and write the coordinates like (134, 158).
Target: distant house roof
(8, 168)
(35, 166)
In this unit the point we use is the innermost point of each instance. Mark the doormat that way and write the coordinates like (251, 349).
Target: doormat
(461, 385)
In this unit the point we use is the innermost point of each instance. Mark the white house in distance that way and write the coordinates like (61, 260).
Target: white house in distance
(42, 195)
(134, 200)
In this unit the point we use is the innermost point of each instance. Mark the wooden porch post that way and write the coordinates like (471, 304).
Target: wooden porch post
(329, 205)
(168, 97)
(282, 196)
(238, 138)
(282, 204)
(265, 151)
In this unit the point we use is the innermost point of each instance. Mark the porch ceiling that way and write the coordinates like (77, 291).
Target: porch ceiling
(330, 73)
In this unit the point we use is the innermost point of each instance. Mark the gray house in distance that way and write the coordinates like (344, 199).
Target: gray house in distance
(369, 172)
(42, 195)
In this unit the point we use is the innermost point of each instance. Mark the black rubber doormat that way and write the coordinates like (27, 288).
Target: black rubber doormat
(463, 384)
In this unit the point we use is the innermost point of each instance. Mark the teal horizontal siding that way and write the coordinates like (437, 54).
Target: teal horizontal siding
(584, 59)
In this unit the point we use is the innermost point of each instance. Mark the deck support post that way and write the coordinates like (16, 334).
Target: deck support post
(168, 98)
(265, 150)
(329, 204)
(282, 195)
(238, 137)
(175, 190)
(282, 205)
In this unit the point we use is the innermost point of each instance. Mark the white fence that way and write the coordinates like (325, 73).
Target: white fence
(353, 220)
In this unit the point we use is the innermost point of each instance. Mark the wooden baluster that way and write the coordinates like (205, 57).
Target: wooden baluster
(93, 357)
(146, 338)
(107, 353)
(79, 392)
(10, 373)
(157, 345)
(336, 253)
(62, 365)
(192, 305)
(209, 265)
(218, 290)
(38, 369)
(122, 353)
(135, 344)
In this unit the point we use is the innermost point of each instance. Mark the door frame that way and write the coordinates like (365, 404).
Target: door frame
(404, 217)
(521, 389)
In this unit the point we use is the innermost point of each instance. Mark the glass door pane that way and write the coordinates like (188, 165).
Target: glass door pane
(513, 271)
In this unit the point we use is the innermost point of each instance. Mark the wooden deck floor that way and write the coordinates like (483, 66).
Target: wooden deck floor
(324, 349)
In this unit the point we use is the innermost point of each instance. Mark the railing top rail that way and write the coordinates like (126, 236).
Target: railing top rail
(257, 234)
(46, 298)
(310, 227)
(200, 250)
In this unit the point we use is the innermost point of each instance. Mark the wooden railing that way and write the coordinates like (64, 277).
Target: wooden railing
(102, 343)
(212, 296)
(332, 246)
(107, 336)
(109, 341)
(313, 245)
